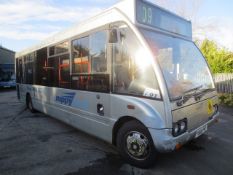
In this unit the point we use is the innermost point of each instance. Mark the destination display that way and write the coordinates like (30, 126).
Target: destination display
(151, 15)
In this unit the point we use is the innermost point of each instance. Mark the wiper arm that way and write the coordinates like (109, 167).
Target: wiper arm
(193, 89)
(202, 93)
(184, 98)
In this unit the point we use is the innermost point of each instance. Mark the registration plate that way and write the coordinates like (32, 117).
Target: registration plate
(201, 130)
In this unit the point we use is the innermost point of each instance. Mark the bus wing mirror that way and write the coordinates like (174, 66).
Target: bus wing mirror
(113, 36)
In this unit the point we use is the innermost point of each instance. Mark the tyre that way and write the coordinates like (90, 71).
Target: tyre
(135, 144)
(29, 104)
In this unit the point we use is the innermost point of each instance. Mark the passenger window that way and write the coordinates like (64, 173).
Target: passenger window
(80, 48)
(98, 52)
(59, 71)
(64, 72)
(90, 63)
(29, 64)
(53, 72)
(19, 70)
(40, 63)
(96, 83)
(59, 49)
(132, 70)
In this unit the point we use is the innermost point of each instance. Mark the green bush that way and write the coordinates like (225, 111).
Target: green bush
(226, 99)
(219, 59)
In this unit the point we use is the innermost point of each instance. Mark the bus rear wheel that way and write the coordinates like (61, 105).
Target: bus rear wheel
(135, 144)
(29, 103)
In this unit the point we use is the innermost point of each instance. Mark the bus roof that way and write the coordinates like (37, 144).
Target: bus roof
(137, 12)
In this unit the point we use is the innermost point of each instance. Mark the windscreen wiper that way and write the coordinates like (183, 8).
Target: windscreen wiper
(202, 93)
(187, 95)
(193, 89)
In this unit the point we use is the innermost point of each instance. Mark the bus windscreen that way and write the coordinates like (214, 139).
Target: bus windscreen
(154, 16)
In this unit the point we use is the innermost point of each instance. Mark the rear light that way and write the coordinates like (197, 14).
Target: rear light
(179, 127)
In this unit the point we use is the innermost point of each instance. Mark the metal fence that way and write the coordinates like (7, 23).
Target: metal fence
(224, 82)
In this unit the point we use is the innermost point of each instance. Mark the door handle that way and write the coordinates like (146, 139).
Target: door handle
(100, 109)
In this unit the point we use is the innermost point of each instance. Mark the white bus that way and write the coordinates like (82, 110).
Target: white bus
(130, 76)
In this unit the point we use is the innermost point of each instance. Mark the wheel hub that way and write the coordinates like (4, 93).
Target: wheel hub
(137, 144)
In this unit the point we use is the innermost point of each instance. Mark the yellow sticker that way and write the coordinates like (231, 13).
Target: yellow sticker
(210, 107)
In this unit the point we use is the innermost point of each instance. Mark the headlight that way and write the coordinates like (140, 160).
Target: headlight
(176, 128)
(179, 127)
(182, 126)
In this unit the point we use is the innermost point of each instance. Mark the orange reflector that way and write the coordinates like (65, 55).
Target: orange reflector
(130, 106)
(178, 146)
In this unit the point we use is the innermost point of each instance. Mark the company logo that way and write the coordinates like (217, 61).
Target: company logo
(66, 99)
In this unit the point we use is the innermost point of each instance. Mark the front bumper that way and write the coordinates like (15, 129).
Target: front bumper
(165, 142)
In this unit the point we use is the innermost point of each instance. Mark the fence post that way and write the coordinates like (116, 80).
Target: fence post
(224, 82)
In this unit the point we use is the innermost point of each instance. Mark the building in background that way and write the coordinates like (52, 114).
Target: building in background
(7, 67)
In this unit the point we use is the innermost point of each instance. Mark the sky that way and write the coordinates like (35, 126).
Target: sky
(24, 23)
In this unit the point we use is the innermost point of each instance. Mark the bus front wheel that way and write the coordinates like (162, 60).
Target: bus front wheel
(29, 104)
(135, 144)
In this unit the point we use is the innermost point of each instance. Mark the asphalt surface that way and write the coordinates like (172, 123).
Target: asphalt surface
(36, 144)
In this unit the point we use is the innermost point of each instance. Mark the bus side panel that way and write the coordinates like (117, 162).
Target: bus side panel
(90, 126)
(40, 93)
(77, 108)
(149, 112)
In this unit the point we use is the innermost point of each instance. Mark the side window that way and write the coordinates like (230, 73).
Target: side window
(29, 68)
(64, 72)
(40, 64)
(98, 52)
(132, 70)
(59, 49)
(90, 63)
(80, 55)
(59, 71)
(53, 71)
(24, 69)
(19, 70)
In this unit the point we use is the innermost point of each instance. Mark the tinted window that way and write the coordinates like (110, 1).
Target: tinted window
(52, 51)
(19, 70)
(53, 71)
(41, 63)
(80, 54)
(98, 52)
(59, 71)
(97, 83)
(29, 68)
(58, 49)
(61, 48)
(90, 63)
(64, 72)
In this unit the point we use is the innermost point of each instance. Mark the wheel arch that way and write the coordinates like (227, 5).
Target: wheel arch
(119, 123)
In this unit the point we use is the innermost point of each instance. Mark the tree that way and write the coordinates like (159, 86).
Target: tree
(219, 59)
